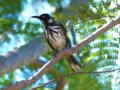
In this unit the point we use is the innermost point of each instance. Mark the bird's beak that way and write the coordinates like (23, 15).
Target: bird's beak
(35, 17)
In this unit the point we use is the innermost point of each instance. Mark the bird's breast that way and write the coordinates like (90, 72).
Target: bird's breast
(56, 37)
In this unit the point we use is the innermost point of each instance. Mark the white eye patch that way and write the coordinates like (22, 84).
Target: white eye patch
(43, 16)
(50, 20)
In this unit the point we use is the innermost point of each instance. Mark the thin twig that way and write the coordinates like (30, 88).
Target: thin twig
(75, 73)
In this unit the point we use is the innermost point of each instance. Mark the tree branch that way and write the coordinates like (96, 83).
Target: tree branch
(61, 54)
(37, 63)
(71, 74)
(22, 56)
(61, 83)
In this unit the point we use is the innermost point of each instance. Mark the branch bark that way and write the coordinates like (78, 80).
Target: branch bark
(22, 56)
(61, 54)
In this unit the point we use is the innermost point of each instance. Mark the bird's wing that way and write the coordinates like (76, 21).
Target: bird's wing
(63, 29)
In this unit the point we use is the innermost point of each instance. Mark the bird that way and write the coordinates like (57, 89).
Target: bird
(57, 37)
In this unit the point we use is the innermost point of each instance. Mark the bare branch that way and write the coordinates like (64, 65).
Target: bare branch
(61, 54)
(37, 63)
(75, 73)
(61, 83)
(22, 56)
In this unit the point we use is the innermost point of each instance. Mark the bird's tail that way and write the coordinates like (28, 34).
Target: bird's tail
(74, 64)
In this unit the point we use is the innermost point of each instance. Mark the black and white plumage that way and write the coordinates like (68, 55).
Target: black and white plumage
(57, 37)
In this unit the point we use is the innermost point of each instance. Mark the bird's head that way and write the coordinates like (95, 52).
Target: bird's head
(45, 18)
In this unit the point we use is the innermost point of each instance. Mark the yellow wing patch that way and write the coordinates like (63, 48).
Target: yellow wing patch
(67, 35)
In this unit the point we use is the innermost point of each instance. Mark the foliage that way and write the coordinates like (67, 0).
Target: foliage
(101, 54)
